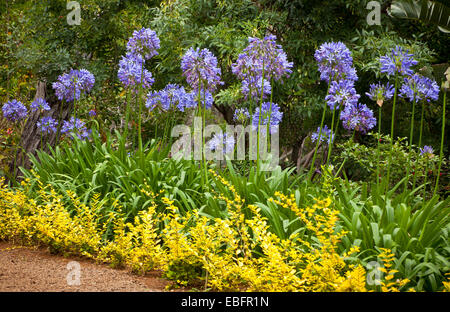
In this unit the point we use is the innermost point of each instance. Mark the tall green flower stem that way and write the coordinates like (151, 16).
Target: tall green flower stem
(58, 131)
(40, 112)
(392, 133)
(270, 114)
(330, 144)
(156, 129)
(250, 134)
(135, 134)
(425, 178)
(75, 114)
(172, 122)
(74, 104)
(441, 153)
(337, 123)
(239, 138)
(320, 135)
(141, 86)
(24, 122)
(259, 121)
(318, 140)
(421, 124)
(200, 112)
(13, 175)
(378, 145)
(127, 121)
(166, 126)
(346, 158)
(203, 137)
(420, 136)
(411, 133)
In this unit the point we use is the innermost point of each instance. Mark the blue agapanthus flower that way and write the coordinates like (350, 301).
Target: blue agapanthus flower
(71, 85)
(268, 111)
(143, 44)
(222, 141)
(335, 62)
(201, 70)
(47, 125)
(261, 58)
(418, 87)
(253, 85)
(380, 92)
(397, 62)
(172, 96)
(426, 151)
(75, 127)
(92, 113)
(206, 99)
(39, 104)
(341, 92)
(132, 72)
(325, 135)
(358, 117)
(241, 115)
(262, 55)
(14, 111)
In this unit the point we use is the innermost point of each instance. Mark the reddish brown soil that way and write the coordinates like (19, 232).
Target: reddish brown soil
(28, 269)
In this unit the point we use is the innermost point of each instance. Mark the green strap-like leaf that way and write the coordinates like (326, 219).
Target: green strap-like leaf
(427, 11)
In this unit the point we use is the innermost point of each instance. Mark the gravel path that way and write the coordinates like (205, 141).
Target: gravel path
(25, 269)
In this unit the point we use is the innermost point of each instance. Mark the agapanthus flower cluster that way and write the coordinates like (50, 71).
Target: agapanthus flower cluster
(335, 62)
(143, 44)
(418, 87)
(92, 113)
(261, 61)
(241, 115)
(268, 111)
(325, 135)
(253, 85)
(39, 104)
(397, 62)
(201, 70)
(75, 127)
(206, 99)
(263, 55)
(380, 92)
(426, 151)
(132, 72)
(47, 125)
(71, 85)
(222, 140)
(358, 117)
(172, 96)
(14, 111)
(342, 92)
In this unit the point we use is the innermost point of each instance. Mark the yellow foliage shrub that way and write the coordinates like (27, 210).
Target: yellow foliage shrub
(235, 253)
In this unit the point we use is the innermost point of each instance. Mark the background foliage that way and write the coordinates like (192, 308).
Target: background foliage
(52, 46)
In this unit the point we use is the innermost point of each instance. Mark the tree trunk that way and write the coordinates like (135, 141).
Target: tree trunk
(304, 159)
(226, 112)
(30, 140)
